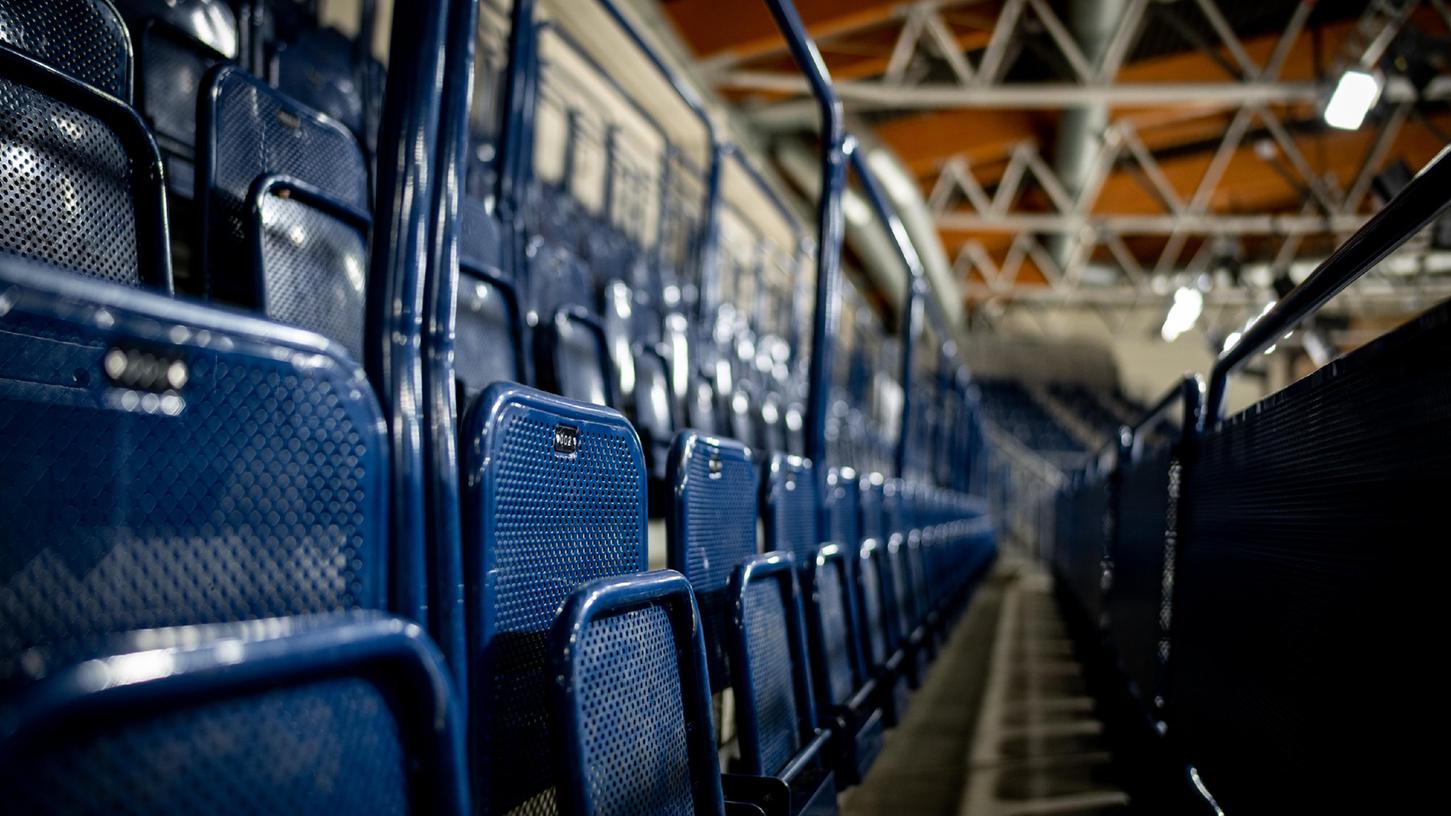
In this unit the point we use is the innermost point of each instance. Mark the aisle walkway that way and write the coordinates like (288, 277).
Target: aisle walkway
(1003, 725)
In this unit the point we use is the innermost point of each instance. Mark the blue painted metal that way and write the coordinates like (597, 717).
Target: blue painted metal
(826, 316)
(444, 273)
(85, 39)
(914, 303)
(154, 402)
(775, 704)
(372, 690)
(845, 696)
(246, 131)
(1418, 204)
(306, 283)
(791, 507)
(709, 228)
(103, 136)
(566, 349)
(174, 58)
(488, 337)
(405, 234)
(554, 496)
(710, 528)
(631, 699)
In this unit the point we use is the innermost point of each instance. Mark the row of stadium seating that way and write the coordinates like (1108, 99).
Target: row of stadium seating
(240, 574)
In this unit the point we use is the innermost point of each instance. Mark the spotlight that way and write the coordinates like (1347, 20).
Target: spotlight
(1354, 96)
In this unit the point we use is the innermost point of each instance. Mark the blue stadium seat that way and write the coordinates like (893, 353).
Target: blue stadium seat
(554, 497)
(873, 601)
(789, 507)
(81, 182)
(312, 715)
(319, 70)
(283, 207)
(631, 699)
(85, 39)
(176, 44)
(653, 412)
(170, 464)
(572, 359)
(906, 639)
(557, 278)
(702, 408)
(775, 705)
(710, 528)
(489, 341)
(846, 698)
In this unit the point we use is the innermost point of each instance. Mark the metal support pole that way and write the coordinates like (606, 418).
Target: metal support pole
(830, 226)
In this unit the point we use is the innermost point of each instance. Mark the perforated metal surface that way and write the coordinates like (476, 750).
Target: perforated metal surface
(717, 494)
(485, 344)
(1081, 555)
(1135, 598)
(479, 239)
(636, 752)
(901, 577)
(66, 187)
(835, 634)
(557, 278)
(236, 477)
(325, 748)
(652, 412)
(1309, 585)
(172, 68)
(541, 523)
(770, 655)
(83, 38)
(578, 362)
(843, 509)
(713, 529)
(870, 578)
(250, 131)
(317, 70)
(791, 508)
(314, 271)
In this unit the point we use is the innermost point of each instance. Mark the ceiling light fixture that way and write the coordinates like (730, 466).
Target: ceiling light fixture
(1355, 94)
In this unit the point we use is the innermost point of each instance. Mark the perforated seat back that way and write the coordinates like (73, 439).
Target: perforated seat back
(869, 592)
(632, 700)
(283, 195)
(617, 319)
(774, 704)
(480, 239)
(843, 507)
(789, 498)
(711, 528)
(487, 342)
(829, 620)
(555, 497)
(872, 521)
(85, 39)
(318, 70)
(303, 716)
(652, 408)
(900, 579)
(557, 279)
(80, 177)
(572, 357)
(170, 464)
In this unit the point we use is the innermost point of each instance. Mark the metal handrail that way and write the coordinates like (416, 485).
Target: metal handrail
(1421, 202)
(826, 318)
